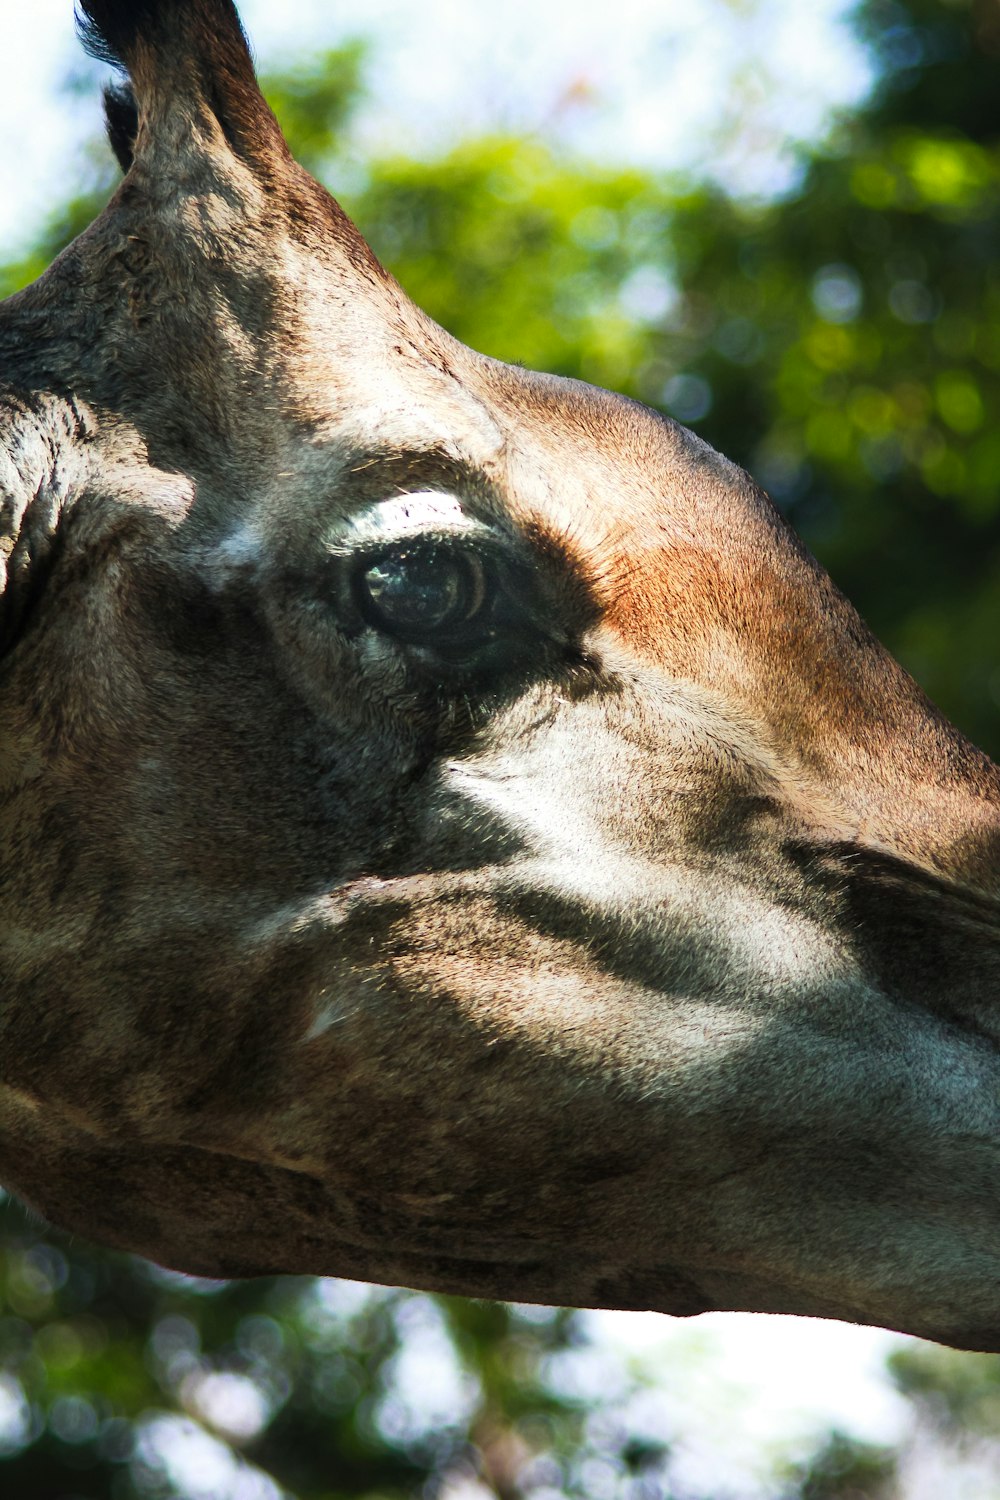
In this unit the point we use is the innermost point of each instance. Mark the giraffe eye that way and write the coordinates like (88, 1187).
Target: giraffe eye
(420, 591)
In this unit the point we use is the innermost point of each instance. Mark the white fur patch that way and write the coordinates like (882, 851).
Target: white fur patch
(239, 552)
(404, 516)
(240, 547)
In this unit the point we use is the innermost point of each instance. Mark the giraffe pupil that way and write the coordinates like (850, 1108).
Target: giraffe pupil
(415, 590)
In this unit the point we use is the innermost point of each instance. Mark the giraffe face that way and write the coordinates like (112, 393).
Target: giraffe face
(450, 831)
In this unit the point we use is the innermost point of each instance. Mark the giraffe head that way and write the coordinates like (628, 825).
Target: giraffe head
(451, 832)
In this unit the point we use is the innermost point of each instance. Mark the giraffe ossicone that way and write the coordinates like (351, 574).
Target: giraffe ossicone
(451, 831)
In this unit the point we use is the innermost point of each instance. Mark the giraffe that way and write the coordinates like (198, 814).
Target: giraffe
(452, 833)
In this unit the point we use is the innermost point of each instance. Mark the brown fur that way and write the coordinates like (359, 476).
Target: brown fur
(643, 956)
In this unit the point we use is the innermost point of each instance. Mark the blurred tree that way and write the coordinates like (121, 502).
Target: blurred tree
(844, 344)
(844, 1469)
(121, 1381)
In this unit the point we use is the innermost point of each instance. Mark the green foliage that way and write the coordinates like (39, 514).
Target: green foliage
(844, 1469)
(523, 255)
(121, 1380)
(70, 221)
(314, 102)
(960, 1393)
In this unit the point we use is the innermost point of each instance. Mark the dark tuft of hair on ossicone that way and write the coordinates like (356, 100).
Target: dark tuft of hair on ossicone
(108, 27)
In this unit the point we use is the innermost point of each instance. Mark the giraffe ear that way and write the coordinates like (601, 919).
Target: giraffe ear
(186, 60)
(121, 118)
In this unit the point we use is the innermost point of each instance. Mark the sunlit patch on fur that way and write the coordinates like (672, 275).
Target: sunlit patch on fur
(426, 512)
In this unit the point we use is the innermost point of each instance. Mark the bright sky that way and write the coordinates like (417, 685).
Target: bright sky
(730, 85)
